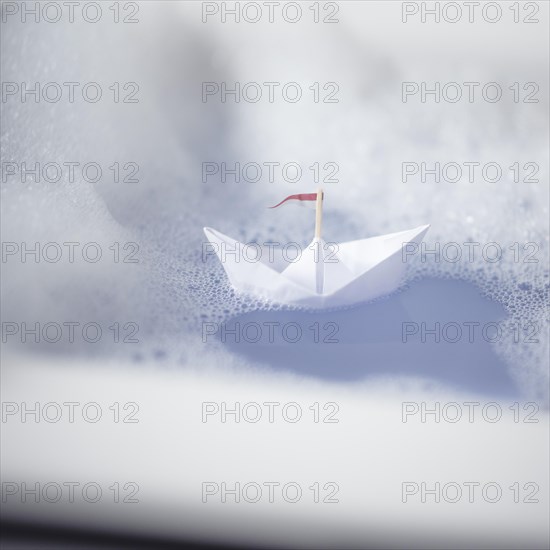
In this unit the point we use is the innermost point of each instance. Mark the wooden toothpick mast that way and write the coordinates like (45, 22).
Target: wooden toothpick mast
(318, 213)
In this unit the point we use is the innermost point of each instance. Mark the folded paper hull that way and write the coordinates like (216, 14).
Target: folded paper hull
(322, 275)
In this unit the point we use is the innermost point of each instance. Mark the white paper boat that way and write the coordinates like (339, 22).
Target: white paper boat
(325, 275)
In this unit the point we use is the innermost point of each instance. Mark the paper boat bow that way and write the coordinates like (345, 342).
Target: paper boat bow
(323, 275)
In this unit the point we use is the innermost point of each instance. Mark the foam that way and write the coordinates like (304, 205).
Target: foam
(369, 133)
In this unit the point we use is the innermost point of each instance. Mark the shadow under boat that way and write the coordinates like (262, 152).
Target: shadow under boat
(389, 338)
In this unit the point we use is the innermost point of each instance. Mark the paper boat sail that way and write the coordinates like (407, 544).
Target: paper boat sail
(322, 275)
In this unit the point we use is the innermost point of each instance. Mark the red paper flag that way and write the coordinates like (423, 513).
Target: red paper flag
(300, 197)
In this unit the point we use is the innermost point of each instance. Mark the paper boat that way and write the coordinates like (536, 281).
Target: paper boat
(322, 275)
(325, 275)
